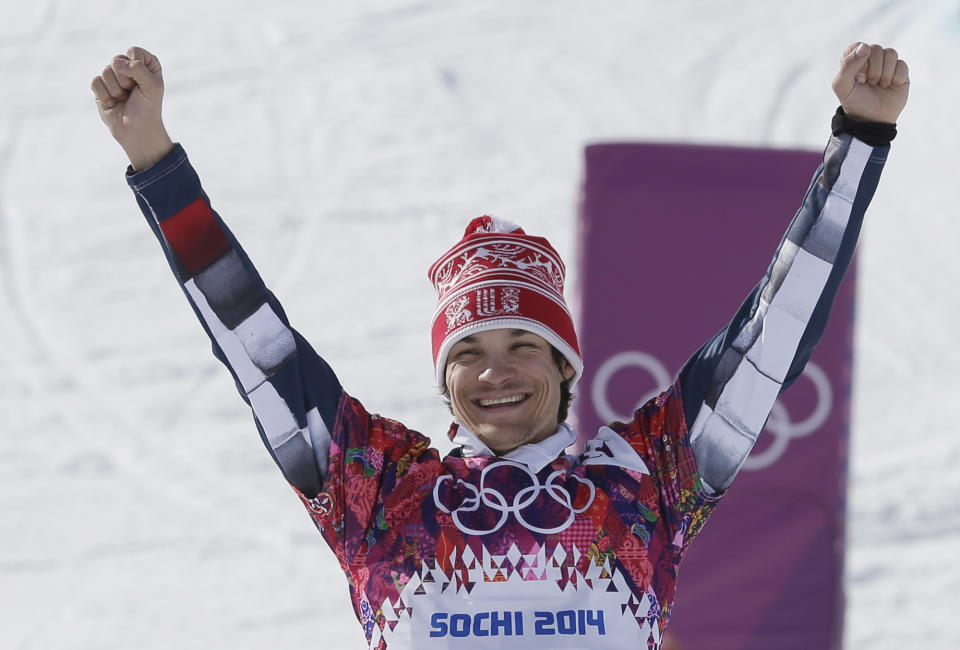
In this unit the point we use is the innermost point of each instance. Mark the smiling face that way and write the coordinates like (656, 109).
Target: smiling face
(504, 385)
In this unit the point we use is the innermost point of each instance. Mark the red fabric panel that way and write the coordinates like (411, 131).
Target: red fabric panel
(195, 236)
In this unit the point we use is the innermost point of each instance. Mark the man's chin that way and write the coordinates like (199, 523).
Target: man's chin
(501, 441)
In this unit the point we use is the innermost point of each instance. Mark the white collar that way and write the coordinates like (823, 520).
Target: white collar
(535, 455)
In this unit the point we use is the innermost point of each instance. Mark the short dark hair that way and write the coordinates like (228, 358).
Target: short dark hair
(565, 395)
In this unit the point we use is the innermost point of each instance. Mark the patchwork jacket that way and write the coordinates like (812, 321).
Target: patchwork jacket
(535, 549)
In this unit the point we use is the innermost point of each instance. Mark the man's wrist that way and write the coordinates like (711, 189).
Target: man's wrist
(875, 134)
(147, 154)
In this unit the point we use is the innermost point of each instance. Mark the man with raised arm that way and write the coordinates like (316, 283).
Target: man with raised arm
(507, 542)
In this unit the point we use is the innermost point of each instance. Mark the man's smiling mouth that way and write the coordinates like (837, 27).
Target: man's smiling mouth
(500, 401)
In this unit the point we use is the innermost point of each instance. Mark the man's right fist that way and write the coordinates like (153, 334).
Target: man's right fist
(129, 94)
(873, 83)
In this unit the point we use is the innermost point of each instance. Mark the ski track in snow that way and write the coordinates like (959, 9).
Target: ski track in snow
(346, 146)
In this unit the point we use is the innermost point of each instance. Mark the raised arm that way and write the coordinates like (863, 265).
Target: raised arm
(732, 382)
(293, 393)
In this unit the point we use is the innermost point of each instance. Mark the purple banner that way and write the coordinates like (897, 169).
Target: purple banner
(673, 237)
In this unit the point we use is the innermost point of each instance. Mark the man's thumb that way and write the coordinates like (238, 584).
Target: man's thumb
(852, 63)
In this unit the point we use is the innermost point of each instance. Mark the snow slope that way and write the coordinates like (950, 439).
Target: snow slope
(347, 144)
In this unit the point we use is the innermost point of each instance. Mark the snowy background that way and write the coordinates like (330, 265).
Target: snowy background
(347, 144)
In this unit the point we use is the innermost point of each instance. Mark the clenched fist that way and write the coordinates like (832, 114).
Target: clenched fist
(129, 94)
(872, 84)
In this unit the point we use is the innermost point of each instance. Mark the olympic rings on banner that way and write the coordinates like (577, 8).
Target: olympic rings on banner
(784, 430)
(616, 363)
(779, 424)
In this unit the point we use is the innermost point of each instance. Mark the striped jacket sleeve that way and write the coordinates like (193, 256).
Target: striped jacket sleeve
(730, 385)
(293, 393)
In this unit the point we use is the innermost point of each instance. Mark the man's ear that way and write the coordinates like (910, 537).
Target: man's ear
(567, 370)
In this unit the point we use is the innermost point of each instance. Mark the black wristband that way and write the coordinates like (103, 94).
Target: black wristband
(875, 134)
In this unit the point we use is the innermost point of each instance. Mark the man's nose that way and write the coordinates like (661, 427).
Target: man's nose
(497, 371)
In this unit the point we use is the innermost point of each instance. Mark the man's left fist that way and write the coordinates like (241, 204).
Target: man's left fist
(872, 84)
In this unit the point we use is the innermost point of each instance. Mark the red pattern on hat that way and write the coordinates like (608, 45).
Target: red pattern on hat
(498, 276)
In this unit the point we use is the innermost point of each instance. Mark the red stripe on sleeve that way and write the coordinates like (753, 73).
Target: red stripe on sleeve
(195, 236)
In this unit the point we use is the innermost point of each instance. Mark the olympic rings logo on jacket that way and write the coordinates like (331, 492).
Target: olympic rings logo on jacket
(494, 500)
